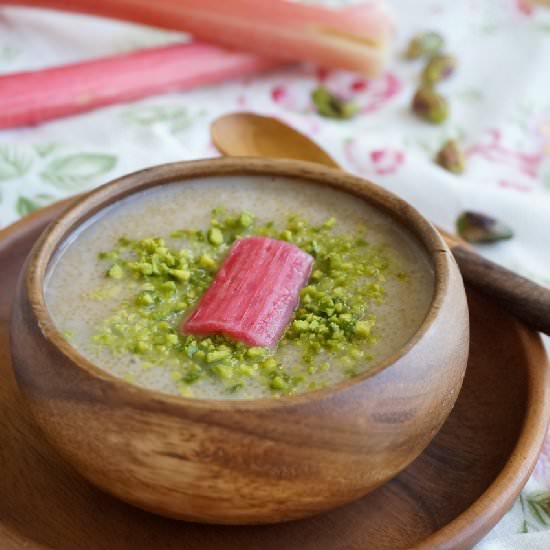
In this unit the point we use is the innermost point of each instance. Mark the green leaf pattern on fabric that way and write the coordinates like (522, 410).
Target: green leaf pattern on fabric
(73, 172)
(14, 162)
(26, 205)
(176, 118)
(535, 508)
(32, 176)
(44, 149)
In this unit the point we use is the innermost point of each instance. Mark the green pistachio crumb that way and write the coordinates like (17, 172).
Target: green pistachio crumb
(218, 211)
(180, 274)
(246, 219)
(144, 299)
(255, 352)
(269, 363)
(115, 272)
(236, 387)
(215, 236)
(143, 347)
(206, 261)
(300, 325)
(217, 355)
(246, 370)
(167, 287)
(223, 370)
(194, 374)
(363, 328)
(278, 383)
(171, 339)
(286, 235)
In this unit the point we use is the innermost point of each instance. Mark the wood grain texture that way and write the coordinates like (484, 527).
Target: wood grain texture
(447, 498)
(243, 133)
(525, 299)
(249, 134)
(242, 461)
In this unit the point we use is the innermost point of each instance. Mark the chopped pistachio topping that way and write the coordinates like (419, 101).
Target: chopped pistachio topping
(332, 324)
(115, 272)
(215, 236)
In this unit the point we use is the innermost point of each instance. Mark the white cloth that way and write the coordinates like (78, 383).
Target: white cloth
(500, 112)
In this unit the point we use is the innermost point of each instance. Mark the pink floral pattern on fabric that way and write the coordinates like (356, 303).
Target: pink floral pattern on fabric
(370, 95)
(495, 150)
(383, 161)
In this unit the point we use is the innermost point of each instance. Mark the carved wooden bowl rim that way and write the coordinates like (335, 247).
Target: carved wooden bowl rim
(92, 203)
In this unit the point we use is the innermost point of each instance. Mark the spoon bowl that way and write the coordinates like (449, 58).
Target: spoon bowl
(252, 135)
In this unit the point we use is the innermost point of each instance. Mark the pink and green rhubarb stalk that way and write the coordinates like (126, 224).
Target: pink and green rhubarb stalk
(354, 38)
(33, 97)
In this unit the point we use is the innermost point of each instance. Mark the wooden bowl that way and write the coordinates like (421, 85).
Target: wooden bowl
(250, 461)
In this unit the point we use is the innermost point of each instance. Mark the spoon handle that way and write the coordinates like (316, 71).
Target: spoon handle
(523, 298)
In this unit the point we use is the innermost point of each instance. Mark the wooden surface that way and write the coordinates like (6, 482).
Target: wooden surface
(448, 498)
(523, 298)
(242, 461)
(249, 134)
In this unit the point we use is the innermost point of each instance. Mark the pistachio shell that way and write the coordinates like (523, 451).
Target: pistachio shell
(476, 227)
(451, 157)
(438, 68)
(424, 44)
(430, 105)
(331, 106)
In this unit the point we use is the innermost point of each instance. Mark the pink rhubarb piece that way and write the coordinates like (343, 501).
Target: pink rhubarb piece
(33, 97)
(254, 293)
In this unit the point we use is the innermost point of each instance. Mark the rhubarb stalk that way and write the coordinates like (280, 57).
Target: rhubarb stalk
(255, 292)
(32, 97)
(352, 38)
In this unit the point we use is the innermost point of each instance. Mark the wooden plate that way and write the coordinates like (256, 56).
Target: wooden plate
(448, 498)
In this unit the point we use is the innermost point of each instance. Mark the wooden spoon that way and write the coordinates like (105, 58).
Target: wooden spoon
(248, 134)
